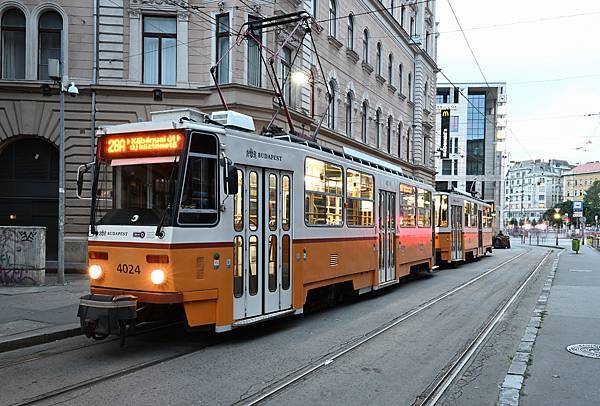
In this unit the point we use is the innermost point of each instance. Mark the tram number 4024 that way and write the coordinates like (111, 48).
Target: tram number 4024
(128, 268)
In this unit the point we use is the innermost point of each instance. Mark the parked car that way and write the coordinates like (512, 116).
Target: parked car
(501, 240)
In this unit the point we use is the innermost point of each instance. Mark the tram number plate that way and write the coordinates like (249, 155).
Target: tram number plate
(128, 268)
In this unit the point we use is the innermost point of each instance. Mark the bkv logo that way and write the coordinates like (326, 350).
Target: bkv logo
(140, 234)
(250, 153)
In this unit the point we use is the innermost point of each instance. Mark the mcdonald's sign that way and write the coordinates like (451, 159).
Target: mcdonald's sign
(445, 132)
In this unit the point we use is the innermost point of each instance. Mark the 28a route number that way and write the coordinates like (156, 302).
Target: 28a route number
(128, 269)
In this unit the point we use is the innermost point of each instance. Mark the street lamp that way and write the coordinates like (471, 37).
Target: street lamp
(556, 219)
(55, 72)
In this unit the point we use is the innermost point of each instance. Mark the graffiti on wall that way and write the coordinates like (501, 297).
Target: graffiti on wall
(17, 246)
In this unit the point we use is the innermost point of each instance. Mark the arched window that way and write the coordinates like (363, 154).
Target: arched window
(408, 145)
(366, 45)
(331, 107)
(378, 128)
(49, 41)
(426, 95)
(378, 59)
(409, 87)
(402, 11)
(364, 121)
(412, 26)
(350, 32)
(332, 18)
(391, 69)
(389, 134)
(349, 102)
(13, 44)
(400, 140)
(400, 79)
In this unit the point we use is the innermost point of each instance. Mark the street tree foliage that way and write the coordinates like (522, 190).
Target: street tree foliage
(565, 207)
(591, 203)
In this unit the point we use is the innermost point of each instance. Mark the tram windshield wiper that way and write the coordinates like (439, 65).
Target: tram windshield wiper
(169, 208)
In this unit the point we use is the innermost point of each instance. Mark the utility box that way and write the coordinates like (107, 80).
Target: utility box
(575, 245)
(22, 255)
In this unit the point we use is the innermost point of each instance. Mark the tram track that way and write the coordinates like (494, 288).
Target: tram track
(304, 372)
(278, 386)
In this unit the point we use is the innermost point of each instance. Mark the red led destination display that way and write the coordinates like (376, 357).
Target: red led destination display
(145, 144)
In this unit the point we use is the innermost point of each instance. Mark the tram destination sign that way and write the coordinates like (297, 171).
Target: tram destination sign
(445, 130)
(143, 144)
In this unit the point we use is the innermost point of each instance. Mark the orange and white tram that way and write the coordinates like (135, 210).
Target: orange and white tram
(232, 228)
(463, 228)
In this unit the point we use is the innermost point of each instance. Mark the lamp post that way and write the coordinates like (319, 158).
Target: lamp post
(55, 72)
(556, 219)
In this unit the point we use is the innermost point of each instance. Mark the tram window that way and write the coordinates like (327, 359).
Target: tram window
(424, 208)
(473, 214)
(253, 202)
(253, 265)
(467, 214)
(272, 202)
(272, 263)
(238, 266)
(441, 210)
(285, 262)
(360, 195)
(199, 200)
(286, 202)
(407, 206)
(323, 188)
(238, 204)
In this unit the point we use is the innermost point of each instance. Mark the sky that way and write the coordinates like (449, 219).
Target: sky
(548, 53)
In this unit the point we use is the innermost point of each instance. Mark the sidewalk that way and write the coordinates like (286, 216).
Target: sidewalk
(38, 314)
(556, 376)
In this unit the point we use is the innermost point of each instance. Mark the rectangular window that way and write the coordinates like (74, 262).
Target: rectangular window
(467, 214)
(238, 203)
(447, 167)
(360, 196)
(424, 208)
(407, 205)
(441, 210)
(254, 59)
(199, 200)
(476, 134)
(223, 48)
(455, 167)
(323, 193)
(286, 67)
(160, 50)
(455, 145)
(453, 124)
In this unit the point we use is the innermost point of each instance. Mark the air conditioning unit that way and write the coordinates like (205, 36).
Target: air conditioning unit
(234, 119)
(177, 114)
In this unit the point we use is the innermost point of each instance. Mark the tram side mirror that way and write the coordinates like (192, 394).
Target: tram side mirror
(231, 180)
(81, 171)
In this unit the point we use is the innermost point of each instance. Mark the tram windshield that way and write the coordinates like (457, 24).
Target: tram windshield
(138, 177)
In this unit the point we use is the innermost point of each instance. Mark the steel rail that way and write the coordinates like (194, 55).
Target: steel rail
(257, 398)
(472, 348)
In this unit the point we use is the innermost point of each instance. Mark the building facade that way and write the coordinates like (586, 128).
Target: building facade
(131, 57)
(532, 187)
(578, 180)
(476, 142)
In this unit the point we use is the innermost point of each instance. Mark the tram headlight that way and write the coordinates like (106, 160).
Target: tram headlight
(157, 276)
(95, 272)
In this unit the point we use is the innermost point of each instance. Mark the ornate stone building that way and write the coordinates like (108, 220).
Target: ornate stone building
(131, 57)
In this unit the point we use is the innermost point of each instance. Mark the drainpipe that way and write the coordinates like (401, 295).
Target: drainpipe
(94, 80)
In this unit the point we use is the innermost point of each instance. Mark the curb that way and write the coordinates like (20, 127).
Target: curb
(513, 382)
(31, 338)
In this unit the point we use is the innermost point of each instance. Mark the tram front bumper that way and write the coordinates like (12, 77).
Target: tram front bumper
(103, 315)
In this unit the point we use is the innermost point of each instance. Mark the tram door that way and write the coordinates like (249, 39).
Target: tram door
(262, 242)
(387, 236)
(480, 232)
(456, 218)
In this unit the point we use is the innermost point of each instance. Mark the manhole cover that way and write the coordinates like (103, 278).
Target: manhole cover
(585, 350)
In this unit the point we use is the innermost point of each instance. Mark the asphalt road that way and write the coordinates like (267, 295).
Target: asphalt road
(393, 368)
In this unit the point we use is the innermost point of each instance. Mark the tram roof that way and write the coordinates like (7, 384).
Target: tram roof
(347, 154)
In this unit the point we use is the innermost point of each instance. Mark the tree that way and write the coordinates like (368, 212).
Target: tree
(513, 221)
(591, 203)
(534, 223)
(565, 207)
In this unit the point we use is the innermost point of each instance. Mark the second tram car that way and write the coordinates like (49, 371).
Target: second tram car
(463, 227)
(230, 228)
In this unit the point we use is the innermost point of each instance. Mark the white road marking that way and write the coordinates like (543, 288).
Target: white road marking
(580, 270)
